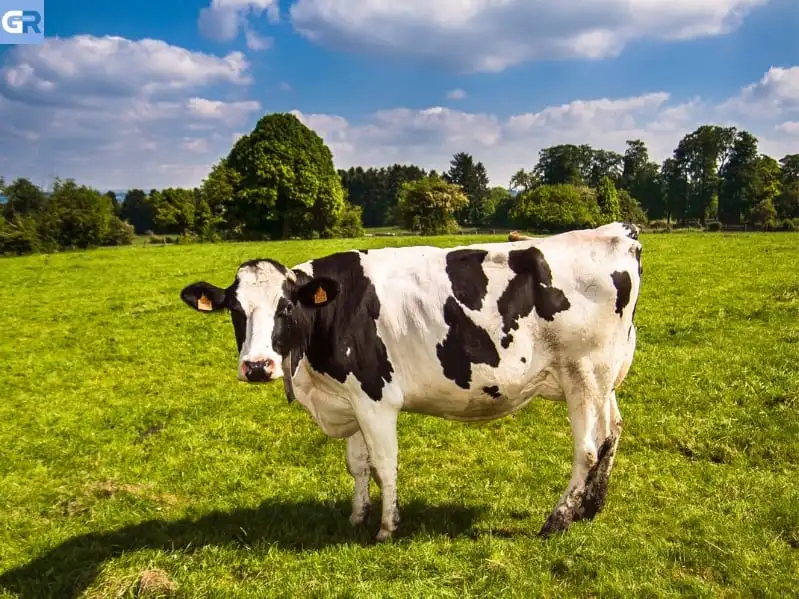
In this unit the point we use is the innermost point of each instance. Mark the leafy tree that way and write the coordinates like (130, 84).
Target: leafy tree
(114, 202)
(700, 155)
(767, 180)
(737, 190)
(78, 216)
(137, 211)
(473, 180)
(608, 200)
(630, 210)
(429, 205)
(174, 210)
(351, 224)
(565, 163)
(641, 178)
(285, 184)
(19, 236)
(764, 215)
(605, 164)
(787, 204)
(375, 190)
(23, 199)
(501, 201)
(675, 189)
(523, 180)
(556, 208)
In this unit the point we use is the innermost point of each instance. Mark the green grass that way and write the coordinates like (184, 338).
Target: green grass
(128, 446)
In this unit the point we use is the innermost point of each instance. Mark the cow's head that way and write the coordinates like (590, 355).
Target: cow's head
(269, 306)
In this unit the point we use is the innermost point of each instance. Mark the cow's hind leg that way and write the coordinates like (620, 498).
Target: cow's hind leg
(358, 467)
(588, 395)
(606, 437)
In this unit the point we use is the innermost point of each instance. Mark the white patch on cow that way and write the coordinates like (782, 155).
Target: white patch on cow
(260, 287)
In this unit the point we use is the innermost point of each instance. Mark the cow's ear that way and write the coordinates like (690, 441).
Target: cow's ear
(317, 292)
(204, 297)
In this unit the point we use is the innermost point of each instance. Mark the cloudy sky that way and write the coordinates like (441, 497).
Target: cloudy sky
(150, 93)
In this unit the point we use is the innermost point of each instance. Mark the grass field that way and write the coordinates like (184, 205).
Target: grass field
(133, 463)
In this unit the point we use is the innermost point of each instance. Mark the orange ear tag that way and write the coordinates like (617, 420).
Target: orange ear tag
(204, 304)
(320, 297)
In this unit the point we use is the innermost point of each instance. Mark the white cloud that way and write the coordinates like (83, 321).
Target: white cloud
(456, 94)
(490, 35)
(112, 112)
(429, 137)
(789, 127)
(285, 87)
(85, 68)
(257, 42)
(223, 19)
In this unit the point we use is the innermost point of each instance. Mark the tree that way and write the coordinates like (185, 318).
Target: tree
(700, 155)
(351, 223)
(174, 210)
(605, 164)
(501, 202)
(473, 180)
(737, 190)
(641, 178)
(114, 202)
(523, 181)
(565, 163)
(608, 200)
(555, 208)
(285, 184)
(630, 210)
(375, 190)
(429, 205)
(787, 204)
(137, 211)
(23, 198)
(767, 181)
(81, 217)
(675, 189)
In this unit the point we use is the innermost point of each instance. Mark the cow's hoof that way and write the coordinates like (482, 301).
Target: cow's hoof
(558, 521)
(384, 535)
(356, 519)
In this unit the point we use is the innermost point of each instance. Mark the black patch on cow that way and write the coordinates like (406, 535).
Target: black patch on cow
(524, 360)
(638, 259)
(531, 288)
(493, 391)
(624, 286)
(364, 251)
(465, 272)
(632, 230)
(465, 344)
(237, 315)
(596, 482)
(341, 338)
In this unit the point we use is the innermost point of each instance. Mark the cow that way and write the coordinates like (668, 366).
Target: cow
(469, 333)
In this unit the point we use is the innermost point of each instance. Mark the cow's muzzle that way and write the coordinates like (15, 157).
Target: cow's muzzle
(258, 372)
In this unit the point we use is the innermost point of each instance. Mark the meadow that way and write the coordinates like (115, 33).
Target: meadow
(134, 464)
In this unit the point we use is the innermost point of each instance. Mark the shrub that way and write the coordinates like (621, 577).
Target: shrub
(789, 224)
(351, 224)
(714, 226)
(119, 232)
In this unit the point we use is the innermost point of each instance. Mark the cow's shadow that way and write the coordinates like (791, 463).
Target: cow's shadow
(68, 569)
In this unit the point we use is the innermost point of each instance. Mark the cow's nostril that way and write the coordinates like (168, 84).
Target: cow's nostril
(256, 371)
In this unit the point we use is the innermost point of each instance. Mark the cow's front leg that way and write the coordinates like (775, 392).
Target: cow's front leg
(358, 467)
(378, 424)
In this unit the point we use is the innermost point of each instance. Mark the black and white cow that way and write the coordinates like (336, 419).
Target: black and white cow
(469, 333)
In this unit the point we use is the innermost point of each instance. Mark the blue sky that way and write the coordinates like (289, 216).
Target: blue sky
(151, 94)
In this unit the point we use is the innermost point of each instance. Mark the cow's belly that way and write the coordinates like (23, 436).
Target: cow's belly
(476, 404)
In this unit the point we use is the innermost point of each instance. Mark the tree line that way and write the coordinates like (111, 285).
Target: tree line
(279, 182)
(716, 176)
